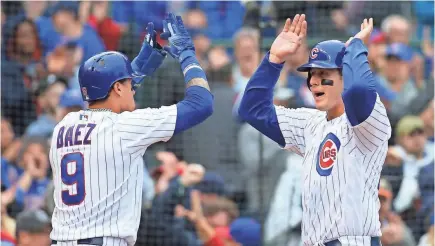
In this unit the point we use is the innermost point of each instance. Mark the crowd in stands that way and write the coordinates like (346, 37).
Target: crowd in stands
(245, 189)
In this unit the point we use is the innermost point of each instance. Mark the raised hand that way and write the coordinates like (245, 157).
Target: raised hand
(364, 33)
(151, 55)
(176, 33)
(289, 40)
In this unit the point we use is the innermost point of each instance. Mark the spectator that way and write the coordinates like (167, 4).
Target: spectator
(224, 17)
(428, 118)
(426, 190)
(284, 218)
(274, 159)
(415, 152)
(212, 186)
(394, 231)
(220, 213)
(24, 46)
(27, 181)
(66, 21)
(376, 50)
(33, 228)
(206, 233)
(246, 231)
(397, 78)
(96, 15)
(17, 104)
(247, 56)
(398, 30)
(36, 12)
(69, 101)
(428, 238)
(139, 13)
(196, 23)
(424, 13)
(427, 49)
(48, 100)
(7, 225)
(7, 134)
(220, 155)
(159, 225)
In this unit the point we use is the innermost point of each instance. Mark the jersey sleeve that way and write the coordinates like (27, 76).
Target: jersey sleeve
(292, 123)
(142, 127)
(374, 131)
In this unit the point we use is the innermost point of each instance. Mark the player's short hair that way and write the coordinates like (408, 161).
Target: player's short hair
(122, 81)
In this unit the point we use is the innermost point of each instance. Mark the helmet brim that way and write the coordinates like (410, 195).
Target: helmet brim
(315, 64)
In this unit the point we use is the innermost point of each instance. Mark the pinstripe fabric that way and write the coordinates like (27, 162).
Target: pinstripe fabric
(113, 172)
(340, 195)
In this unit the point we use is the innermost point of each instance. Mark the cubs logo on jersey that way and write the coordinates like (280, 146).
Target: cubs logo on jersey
(327, 154)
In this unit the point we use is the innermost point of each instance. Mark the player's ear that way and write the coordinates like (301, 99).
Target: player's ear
(117, 87)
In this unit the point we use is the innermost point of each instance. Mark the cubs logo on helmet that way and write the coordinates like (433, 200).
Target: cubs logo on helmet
(327, 155)
(314, 52)
(318, 54)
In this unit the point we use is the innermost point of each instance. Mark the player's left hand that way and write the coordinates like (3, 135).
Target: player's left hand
(176, 33)
(364, 33)
(151, 55)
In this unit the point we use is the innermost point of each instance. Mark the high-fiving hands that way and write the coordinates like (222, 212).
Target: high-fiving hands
(289, 40)
(177, 35)
(151, 55)
(364, 33)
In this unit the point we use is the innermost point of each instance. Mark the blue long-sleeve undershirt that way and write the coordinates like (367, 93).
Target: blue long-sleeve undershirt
(257, 106)
(196, 106)
(359, 94)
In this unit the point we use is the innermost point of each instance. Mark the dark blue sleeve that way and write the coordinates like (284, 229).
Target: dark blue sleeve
(359, 94)
(194, 109)
(256, 106)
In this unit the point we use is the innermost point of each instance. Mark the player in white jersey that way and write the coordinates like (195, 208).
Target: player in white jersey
(96, 154)
(343, 141)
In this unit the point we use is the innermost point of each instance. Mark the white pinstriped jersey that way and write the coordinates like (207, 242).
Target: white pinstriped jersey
(97, 163)
(341, 171)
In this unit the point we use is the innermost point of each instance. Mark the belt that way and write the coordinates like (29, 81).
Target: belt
(88, 241)
(375, 241)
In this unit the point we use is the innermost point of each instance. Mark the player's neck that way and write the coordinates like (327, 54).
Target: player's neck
(107, 104)
(335, 112)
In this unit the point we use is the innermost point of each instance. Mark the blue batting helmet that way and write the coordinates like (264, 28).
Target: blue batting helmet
(326, 54)
(98, 74)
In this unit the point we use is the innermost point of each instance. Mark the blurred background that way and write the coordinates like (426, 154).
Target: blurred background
(251, 190)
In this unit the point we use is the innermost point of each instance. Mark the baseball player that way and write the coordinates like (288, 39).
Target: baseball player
(96, 154)
(343, 141)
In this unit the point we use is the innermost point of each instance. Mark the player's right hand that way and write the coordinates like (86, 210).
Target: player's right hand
(151, 55)
(365, 32)
(289, 40)
(177, 35)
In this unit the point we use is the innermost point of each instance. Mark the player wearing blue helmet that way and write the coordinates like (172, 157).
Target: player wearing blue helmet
(344, 140)
(96, 154)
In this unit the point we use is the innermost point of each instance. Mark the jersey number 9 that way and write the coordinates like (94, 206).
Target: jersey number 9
(73, 175)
